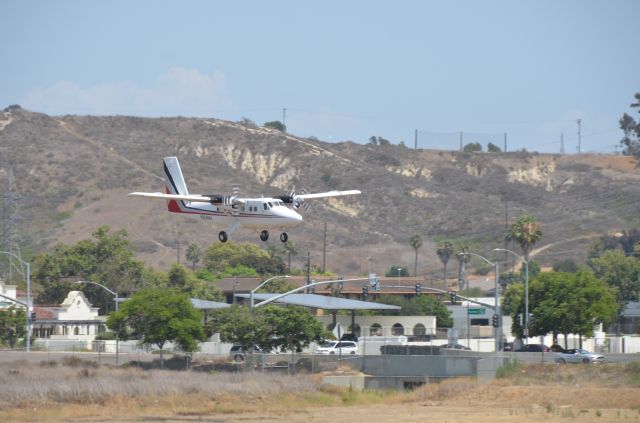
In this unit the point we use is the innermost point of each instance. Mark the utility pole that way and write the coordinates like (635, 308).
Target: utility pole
(284, 116)
(505, 142)
(415, 139)
(308, 262)
(579, 136)
(324, 247)
(461, 137)
(10, 218)
(562, 143)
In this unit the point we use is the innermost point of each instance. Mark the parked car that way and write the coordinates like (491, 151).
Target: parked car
(579, 356)
(534, 348)
(237, 352)
(557, 348)
(335, 347)
(456, 347)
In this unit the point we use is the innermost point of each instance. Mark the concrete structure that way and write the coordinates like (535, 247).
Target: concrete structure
(411, 326)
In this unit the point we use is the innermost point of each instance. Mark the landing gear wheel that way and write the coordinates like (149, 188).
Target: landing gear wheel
(284, 237)
(222, 236)
(264, 235)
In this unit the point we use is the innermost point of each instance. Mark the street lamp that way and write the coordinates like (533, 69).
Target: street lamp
(399, 270)
(526, 290)
(498, 329)
(115, 294)
(260, 286)
(27, 275)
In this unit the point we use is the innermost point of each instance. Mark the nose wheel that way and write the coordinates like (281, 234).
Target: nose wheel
(222, 236)
(284, 237)
(264, 235)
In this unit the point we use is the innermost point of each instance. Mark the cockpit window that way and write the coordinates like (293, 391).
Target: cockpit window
(270, 205)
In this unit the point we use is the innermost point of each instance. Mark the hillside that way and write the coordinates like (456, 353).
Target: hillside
(73, 173)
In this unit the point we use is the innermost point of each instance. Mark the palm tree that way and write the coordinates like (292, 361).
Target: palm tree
(193, 255)
(290, 249)
(416, 242)
(463, 259)
(444, 251)
(526, 232)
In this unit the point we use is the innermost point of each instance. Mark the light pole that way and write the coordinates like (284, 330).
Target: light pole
(526, 290)
(260, 286)
(498, 329)
(115, 294)
(399, 270)
(27, 346)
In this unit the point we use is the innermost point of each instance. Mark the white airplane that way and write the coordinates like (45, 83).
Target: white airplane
(233, 211)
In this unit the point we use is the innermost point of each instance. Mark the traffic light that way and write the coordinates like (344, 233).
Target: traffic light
(495, 320)
(33, 317)
(365, 292)
(454, 297)
(418, 289)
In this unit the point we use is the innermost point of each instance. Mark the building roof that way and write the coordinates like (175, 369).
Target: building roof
(323, 302)
(208, 305)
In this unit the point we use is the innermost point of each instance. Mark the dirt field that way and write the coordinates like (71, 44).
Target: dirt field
(550, 393)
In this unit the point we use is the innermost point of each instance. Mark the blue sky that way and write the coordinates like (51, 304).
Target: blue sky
(344, 70)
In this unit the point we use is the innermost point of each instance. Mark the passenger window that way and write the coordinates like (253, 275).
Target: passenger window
(264, 206)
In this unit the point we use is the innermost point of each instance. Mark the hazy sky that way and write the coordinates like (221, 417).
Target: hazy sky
(344, 70)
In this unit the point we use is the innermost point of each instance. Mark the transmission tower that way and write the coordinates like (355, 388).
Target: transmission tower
(10, 219)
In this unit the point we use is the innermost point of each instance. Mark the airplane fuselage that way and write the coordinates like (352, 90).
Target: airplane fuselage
(255, 213)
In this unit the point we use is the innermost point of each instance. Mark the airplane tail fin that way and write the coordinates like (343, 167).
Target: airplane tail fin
(173, 179)
(174, 183)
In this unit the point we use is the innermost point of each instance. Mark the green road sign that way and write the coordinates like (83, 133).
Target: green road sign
(476, 311)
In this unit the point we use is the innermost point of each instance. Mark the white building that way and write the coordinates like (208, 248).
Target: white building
(74, 320)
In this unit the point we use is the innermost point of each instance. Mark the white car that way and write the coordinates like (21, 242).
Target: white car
(579, 356)
(335, 347)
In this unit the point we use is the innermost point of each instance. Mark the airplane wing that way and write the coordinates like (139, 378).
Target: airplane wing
(328, 194)
(193, 198)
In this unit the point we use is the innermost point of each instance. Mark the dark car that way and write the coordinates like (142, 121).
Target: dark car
(237, 352)
(534, 348)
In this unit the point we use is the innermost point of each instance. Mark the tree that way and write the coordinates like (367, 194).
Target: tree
(290, 249)
(106, 258)
(12, 325)
(561, 303)
(631, 129)
(416, 242)
(397, 272)
(621, 273)
(444, 252)
(193, 255)
(474, 147)
(291, 328)
(566, 265)
(222, 256)
(492, 148)
(275, 124)
(240, 326)
(186, 282)
(526, 232)
(158, 316)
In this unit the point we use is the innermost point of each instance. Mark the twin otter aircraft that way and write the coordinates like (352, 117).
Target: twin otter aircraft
(233, 211)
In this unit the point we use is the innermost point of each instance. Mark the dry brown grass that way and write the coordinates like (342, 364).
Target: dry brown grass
(79, 391)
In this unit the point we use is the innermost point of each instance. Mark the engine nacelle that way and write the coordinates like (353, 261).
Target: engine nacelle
(297, 202)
